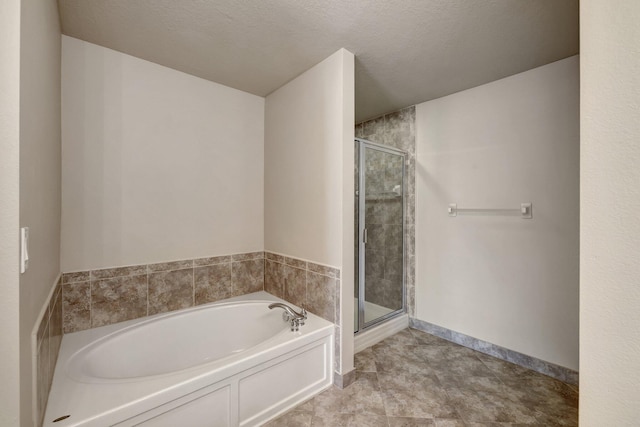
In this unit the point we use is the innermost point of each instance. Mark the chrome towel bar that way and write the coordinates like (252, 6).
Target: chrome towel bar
(525, 211)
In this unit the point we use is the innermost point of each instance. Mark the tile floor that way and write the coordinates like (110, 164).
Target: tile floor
(415, 379)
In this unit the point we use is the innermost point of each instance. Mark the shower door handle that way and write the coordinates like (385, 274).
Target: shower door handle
(364, 236)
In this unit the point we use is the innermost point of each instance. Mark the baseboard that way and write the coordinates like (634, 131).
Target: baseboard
(344, 380)
(547, 368)
(377, 333)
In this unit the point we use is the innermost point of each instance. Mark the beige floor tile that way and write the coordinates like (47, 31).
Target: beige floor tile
(413, 379)
(349, 420)
(292, 419)
(411, 422)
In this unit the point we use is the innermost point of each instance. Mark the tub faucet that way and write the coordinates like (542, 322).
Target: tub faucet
(294, 318)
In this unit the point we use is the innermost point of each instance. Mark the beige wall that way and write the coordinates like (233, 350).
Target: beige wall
(157, 164)
(508, 281)
(309, 171)
(610, 228)
(346, 363)
(303, 165)
(39, 172)
(9, 212)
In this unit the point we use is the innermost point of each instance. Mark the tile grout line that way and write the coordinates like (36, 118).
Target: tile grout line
(233, 282)
(193, 283)
(90, 302)
(62, 307)
(147, 286)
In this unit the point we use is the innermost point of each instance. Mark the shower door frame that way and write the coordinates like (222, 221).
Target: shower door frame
(363, 144)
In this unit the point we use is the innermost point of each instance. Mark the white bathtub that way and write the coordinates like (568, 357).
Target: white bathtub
(231, 363)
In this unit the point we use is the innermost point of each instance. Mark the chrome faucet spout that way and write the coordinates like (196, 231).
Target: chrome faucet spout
(290, 315)
(290, 311)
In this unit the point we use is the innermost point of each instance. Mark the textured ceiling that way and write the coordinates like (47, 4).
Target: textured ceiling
(407, 51)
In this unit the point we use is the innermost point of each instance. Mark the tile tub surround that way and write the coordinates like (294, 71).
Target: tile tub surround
(397, 130)
(96, 298)
(416, 379)
(102, 297)
(561, 373)
(48, 337)
(314, 287)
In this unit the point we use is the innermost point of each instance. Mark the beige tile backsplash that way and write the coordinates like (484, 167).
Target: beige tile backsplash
(101, 297)
(48, 339)
(212, 283)
(314, 287)
(170, 290)
(118, 299)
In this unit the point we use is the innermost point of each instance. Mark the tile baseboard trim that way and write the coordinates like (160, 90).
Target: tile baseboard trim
(552, 370)
(376, 334)
(344, 380)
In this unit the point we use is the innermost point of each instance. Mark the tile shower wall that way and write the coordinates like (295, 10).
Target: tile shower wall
(48, 339)
(397, 130)
(102, 297)
(314, 287)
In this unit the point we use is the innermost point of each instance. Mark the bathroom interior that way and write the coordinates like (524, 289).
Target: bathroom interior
(432, 225)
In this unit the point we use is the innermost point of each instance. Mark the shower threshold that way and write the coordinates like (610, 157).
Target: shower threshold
(371, 311)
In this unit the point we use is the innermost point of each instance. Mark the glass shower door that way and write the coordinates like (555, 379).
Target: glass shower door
(381, 233)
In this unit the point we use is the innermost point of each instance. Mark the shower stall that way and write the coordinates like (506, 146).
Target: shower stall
(379, 218)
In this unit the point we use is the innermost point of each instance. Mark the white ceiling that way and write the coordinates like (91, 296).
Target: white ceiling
(407, 51)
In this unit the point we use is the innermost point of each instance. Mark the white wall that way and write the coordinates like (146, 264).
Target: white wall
(40, 150)
(157, 164)
(303, 165)
(309, 171)
(610, 229)
(346, 363)
(508, 281)
(9, 212)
